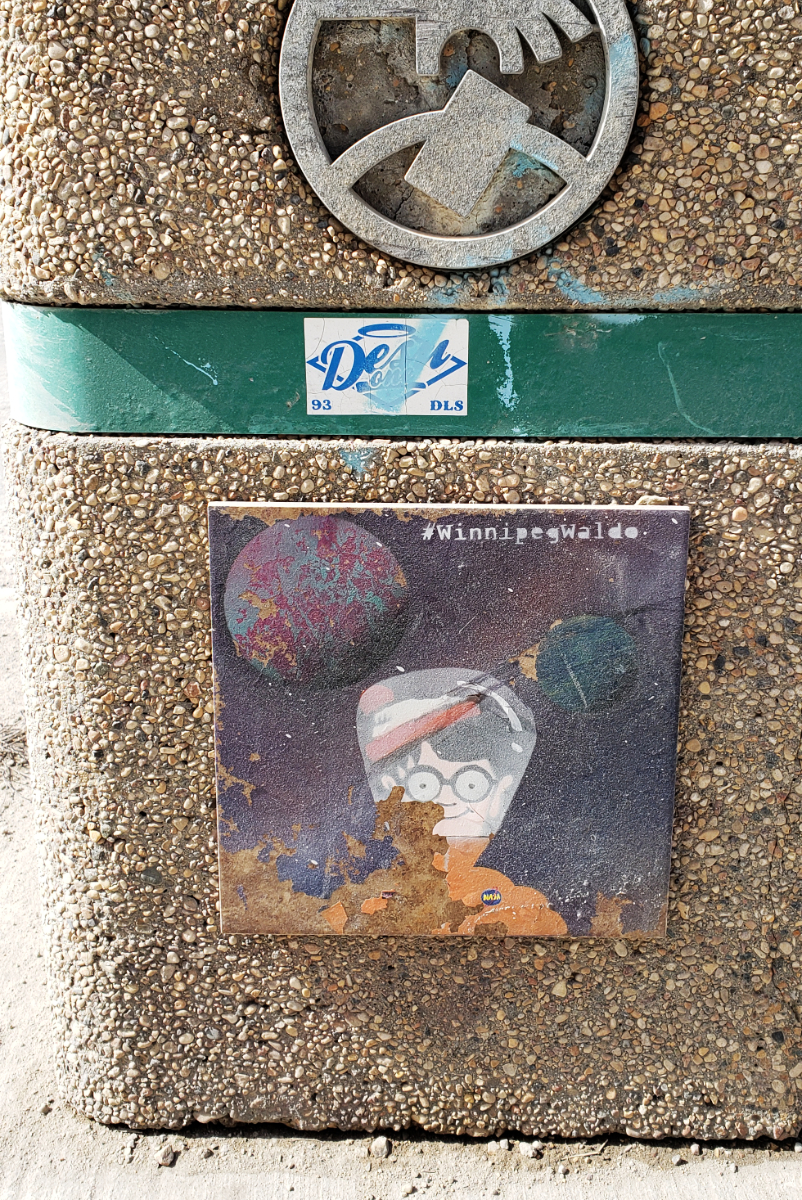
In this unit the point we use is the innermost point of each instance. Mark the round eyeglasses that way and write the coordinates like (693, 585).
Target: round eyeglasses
(471, 784)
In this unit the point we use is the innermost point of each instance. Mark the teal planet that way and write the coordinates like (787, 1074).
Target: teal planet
(585, 664)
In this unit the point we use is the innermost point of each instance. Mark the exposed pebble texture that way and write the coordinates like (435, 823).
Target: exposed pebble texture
(160, 1019)
(145, 161)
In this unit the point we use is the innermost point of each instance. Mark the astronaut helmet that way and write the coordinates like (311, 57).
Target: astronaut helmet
(449, 736)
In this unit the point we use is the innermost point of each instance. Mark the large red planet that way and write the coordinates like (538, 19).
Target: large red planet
(316, 601)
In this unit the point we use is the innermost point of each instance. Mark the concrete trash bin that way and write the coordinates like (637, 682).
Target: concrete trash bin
(147, 165)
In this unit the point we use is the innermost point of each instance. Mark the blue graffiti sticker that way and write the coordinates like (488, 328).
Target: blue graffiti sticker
(491, 897)
(361, 366)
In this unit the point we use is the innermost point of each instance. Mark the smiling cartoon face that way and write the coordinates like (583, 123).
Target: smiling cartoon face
(474, 801)
(456, 738)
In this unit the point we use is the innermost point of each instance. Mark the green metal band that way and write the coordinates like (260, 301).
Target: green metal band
(201, 371)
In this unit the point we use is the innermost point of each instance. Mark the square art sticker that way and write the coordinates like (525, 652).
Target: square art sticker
(446, 722)
(394, 368)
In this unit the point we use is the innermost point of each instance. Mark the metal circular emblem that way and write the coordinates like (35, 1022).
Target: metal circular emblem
(457, 159)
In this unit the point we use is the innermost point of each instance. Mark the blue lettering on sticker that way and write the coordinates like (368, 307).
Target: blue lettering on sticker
(445, 406)
(379, 357)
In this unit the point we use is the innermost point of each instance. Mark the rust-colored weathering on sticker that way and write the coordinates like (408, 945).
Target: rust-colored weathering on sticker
(461, 723)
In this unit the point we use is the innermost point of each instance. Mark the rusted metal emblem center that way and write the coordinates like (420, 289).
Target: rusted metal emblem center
(458, 134)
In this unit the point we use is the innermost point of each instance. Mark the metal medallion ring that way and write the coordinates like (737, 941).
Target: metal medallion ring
(458, 134)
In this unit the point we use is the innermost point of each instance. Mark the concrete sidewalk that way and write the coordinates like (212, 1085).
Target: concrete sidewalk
(46, 1151)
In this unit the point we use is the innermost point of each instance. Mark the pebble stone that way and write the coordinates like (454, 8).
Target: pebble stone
(164, 1156)
(160, 1020)
(144, 161)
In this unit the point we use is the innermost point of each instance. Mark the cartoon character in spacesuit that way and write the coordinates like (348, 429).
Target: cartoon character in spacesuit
(462, 740)
(456, 738)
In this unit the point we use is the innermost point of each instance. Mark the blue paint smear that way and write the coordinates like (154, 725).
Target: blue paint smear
(397, 383)
(391, 395)
(674, 294)
(358, 460)
(582, 293)
(502, 328)
(458, 69)
(572, 289)
(201, 368)
(421, 348)
(519, 165)
(621, 54)
(445, 297)
(105, 274)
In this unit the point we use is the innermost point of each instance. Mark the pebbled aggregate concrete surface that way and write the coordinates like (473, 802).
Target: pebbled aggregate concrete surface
(50, 1152)
(161, 1021)
(147, 163)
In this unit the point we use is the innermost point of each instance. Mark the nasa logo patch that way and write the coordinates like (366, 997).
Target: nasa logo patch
(491, 897)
